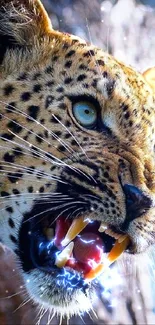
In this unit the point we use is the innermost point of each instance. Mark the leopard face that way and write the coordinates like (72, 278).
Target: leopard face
(77, 140)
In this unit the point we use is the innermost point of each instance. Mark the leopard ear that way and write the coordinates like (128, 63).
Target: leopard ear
(149, 76)
(22, 22)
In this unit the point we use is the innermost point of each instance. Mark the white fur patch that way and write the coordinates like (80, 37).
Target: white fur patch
(110, 121)
(104, 86)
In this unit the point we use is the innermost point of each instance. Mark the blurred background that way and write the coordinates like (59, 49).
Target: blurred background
(126, 29)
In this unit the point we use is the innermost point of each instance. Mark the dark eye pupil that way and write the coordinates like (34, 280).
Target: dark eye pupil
(87, 111)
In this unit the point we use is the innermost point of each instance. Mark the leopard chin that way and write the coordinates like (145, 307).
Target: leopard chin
(54, 294)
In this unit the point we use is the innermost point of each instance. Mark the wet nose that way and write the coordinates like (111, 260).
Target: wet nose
(137, 202)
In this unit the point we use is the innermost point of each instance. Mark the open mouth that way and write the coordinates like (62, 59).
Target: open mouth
(82, 246)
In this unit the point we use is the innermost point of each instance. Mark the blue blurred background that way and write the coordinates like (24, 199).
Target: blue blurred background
(125, 28)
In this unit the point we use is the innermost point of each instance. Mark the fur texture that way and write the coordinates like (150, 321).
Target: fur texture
(47, 153)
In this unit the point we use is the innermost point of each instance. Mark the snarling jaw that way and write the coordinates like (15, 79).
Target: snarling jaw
(66, 243)
(77, 164)
(66, 255)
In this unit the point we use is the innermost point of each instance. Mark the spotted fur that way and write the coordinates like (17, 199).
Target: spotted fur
(43, 148)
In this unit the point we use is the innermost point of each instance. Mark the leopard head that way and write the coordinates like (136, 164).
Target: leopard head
(77, 148)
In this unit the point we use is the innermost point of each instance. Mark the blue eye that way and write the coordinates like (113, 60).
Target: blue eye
(85, 113)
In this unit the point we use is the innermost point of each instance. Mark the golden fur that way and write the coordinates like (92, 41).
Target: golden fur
(41, 71)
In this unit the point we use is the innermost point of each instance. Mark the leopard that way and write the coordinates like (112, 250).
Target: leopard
(77, 144)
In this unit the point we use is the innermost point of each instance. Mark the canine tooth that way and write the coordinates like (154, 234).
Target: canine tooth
(118, 249)
(76, 227)
(94, 272)
(102, 227)
(49, 233)
(121, 238)
(63, 257)
(113, 255)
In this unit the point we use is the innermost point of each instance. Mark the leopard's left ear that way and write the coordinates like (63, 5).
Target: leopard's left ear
(22, 23)
(149, 76)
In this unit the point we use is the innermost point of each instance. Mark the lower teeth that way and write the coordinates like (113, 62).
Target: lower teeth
(63, 257)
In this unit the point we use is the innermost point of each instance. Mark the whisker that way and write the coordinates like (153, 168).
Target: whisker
(46, 194)
(50, 317)
(4, 148)
(53, 209)
(36, 193)
(60, 321)
(25, 302)
(29, 170)
(26, 148)
(44, 156)
(73, 168)
(15, 166)
(74, 213)
(54, 160)
(93, 197)
(38, 123)
(70, 214)
(42, 197)
(25, 172)
(14, 294)
(37, 202)
(72, 135)
(62, 212)
(108, 31)
(93, 58)
(43, 312)
(81, 172)
(68, 148)
(5, 173)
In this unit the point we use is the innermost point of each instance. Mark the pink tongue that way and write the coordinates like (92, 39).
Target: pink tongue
(88, 246)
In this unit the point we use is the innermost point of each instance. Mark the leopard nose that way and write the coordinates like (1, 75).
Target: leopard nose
(137, 202)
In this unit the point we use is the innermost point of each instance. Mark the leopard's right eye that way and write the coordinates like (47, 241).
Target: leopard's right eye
(85, 114)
